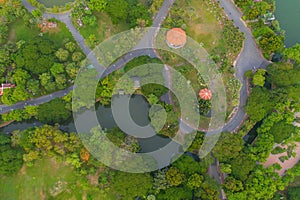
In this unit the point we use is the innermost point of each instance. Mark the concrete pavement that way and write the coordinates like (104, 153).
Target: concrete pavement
(249, 58)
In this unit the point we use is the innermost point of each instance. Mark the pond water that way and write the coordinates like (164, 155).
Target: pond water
(51, 3)
(138, 108)
(288, 14)
(252, 134)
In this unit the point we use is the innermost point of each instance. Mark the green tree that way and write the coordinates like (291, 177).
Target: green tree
(53, 112)
(20, 76)
(225, 168)
(137, 13)
(194, 181)
(259, 104)
(136, 185)
(10, 158)
(70, 46)
(90, 20)
(50, 139)
(72, 70)
(77, 56)
(282, 131)
(187, 165)
(57, 68)
(33, 86)
(241, 166)
(117, 10)
(37, 13)
(175, 177)
(61, 81)
(294, 193)
(97, 5)
(160, 181)
(259, 78)
(176, 193)
(262, 148)
(263, 183)
(271, 42)
(283, 74)
(228, 147)
(233, 185)
(208, 191)
(292, 53)
(62, 54)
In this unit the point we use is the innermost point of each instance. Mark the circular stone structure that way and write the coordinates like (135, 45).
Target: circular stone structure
(176, 38)
(205, 94)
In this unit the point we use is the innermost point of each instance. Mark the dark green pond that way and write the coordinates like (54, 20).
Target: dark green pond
(51, 3)
(138, 107)
(288, 15)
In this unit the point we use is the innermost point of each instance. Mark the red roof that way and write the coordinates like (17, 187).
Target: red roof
(5, 86)
(205, 94)
(176, 37)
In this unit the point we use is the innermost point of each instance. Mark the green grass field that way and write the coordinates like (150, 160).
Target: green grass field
(19, 31)
(52, 3)
(48, 179)
(202, 24)
(103, 29)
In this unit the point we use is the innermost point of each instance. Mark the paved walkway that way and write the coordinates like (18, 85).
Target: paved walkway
(249, 58)
(288, 164)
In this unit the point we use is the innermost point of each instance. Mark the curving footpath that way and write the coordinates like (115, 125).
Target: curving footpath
(250, 58)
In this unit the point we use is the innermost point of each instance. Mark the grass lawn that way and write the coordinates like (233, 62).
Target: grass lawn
(48, 179)
(103, 29)
(19, 31)
(296, 182)
(52, 3)
(202, 25)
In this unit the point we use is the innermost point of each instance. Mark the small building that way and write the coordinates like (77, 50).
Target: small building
(5, 86)
(45, 25)
(268, 17)
(176, 38)
(51, 24)
(121, 92)
(205, 94)
(136, 82)
(79, 22)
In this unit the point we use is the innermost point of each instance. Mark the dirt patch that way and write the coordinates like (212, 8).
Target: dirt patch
(93, 179)
(43, 194)
(203, 28)
(12, 35)
(287, 164)
(23, 170)
(6, 123)
(84, 195)
(54, 164)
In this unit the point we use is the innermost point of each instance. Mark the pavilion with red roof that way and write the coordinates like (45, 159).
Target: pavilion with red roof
(205, 94)
(176, 38)
(5, 86)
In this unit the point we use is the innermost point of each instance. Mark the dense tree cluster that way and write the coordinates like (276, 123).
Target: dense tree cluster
(38, 67)
(132, 12)
(267, 33)
(10, 157)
